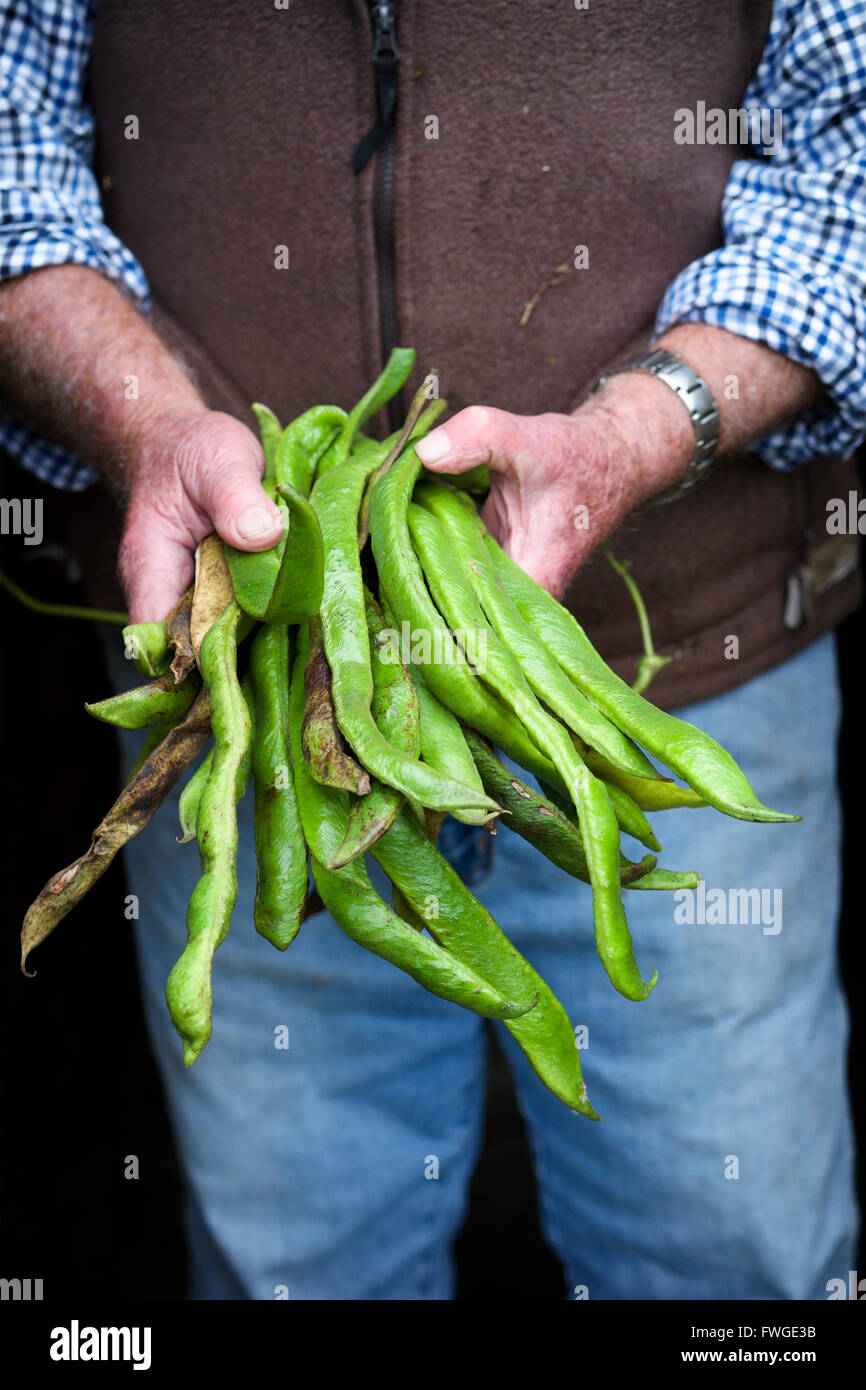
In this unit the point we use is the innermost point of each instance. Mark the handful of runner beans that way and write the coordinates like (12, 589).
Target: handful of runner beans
(365, 675)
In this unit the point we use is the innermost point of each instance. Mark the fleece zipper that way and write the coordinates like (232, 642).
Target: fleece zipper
(385, 56)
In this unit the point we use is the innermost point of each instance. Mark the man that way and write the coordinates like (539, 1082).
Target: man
(526, 241)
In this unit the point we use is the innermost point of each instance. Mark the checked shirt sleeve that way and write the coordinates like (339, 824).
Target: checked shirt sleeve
(792, 271)
(50, 212)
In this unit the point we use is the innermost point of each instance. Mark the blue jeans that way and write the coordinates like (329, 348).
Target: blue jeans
(722, 1168)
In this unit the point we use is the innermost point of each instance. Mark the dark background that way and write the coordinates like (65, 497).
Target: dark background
(79, 1086)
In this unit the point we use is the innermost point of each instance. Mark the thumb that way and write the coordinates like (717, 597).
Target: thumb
(225, 482)
(478, 435)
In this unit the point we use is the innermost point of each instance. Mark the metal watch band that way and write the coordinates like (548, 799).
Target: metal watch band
(698, 400)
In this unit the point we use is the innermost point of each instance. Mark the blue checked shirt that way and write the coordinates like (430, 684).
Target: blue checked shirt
(791, 272)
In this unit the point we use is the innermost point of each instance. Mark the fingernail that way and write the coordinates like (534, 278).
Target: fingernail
(255, 522)
(433, 447)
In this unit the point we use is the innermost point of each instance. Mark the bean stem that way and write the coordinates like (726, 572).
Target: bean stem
(61, 610)
(651, 662)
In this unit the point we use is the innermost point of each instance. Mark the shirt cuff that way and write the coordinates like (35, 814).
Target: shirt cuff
(36, 247)
(815, 320)
(51, 462)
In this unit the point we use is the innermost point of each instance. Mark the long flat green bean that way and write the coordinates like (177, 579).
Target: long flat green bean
(457, 600)
(281, 854)
(696, 757)
(189, 990)
(336, 497)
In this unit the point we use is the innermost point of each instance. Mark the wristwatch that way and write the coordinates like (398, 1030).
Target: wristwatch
(698, 400)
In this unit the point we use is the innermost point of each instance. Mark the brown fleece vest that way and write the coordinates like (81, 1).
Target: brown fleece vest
(524, 130)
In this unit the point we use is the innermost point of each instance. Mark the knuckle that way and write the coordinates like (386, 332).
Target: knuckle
(475, 419)
(216, 451)
(228, 482)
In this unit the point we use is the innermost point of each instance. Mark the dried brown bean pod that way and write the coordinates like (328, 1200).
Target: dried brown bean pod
(137, 803)
(321, 740)
(213, 590)
(177, 626)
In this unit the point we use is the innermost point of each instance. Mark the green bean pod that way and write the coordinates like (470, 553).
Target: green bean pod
(443, 742)
(406, 912)
(418, 420)
(270, 430)
(368, 920)
(463, 926)
(666, 880)
(386, 385)
(154, 736)
(649, 793)
(539, 821)
(190, 797)
(630, 817)
(281, 854)
(376, 450)
(336, 497)
(303, 443)
(147, 645)
(457, 513)
(283, 584)
(189, 990)
(160, 702)
(395, 710)
(598, 824)
(297, 590)
(693, 755)
(354, 903)
(475, 481)
(425, 633)
(254, 573)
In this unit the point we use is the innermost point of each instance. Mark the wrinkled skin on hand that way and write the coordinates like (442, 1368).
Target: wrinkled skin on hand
(188, 476)
(560, 484)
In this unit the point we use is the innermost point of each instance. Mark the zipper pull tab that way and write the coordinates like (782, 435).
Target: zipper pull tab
(386, 56)
(385, 50)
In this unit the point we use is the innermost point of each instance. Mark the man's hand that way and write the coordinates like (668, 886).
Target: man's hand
(560, 484)
(186, 477)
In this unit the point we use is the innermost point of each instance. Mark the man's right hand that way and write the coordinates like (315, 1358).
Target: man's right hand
(188, 476)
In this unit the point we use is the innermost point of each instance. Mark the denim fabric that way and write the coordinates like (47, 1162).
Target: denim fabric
(722, 1167)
